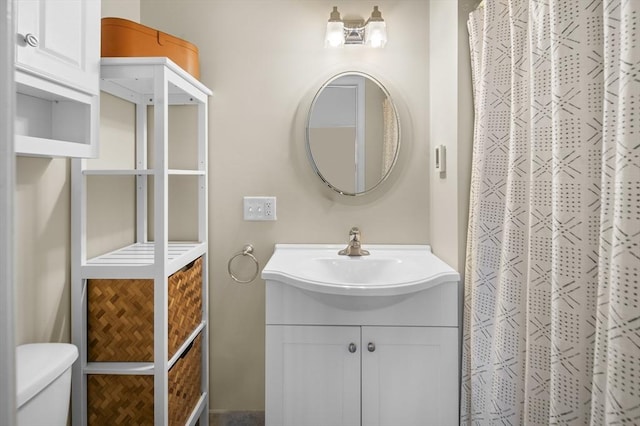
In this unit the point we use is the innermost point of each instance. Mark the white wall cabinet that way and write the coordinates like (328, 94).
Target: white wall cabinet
(57, 77)
(65, 41)
(145, 387)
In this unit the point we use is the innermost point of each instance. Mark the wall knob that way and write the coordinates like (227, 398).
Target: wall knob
(31, 40)
(371, 347)
(352, 347)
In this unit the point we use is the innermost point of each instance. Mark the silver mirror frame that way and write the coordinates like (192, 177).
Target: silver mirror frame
(308, 133)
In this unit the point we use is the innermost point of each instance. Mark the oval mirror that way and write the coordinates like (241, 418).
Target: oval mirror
(353, 133)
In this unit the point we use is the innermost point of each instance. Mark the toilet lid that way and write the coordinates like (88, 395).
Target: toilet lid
(39, 364)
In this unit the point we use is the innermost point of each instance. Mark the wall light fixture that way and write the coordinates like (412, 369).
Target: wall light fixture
(340, 32)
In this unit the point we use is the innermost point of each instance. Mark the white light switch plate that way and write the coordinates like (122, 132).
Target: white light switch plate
(259, 208)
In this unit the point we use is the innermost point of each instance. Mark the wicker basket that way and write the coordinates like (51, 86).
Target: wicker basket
(120, 315)
(185, 384)
(185, 303)
(128, 399)
(119, 400)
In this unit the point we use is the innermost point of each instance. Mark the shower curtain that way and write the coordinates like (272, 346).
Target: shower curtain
(552, 287)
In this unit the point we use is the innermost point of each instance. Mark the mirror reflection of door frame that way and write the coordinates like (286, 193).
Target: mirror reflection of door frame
(332, 152)
(357, 83)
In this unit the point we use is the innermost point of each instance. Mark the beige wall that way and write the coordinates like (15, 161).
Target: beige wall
(451, 124)
(43, 227)
(263, 81)
(42, 245)
(128, 9)
(465, 112)
(264, 60)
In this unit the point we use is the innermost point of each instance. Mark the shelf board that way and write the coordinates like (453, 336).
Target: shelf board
(186, 172)
(137, 260)
(183, 87)
(43, 147)
(117, 172)
(139, 172)
(134, 368)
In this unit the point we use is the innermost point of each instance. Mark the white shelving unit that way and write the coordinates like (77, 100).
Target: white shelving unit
(160, 83)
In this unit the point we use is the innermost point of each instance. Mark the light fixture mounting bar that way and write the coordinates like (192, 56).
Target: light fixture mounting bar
(354, 31)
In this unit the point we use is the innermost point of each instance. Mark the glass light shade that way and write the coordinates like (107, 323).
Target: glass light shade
(335, 34)
(376, 34)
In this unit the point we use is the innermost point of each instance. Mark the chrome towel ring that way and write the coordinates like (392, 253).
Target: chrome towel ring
(247, 250)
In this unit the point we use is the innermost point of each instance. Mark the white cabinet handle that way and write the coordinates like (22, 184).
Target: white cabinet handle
(352, 347)
(31, 40)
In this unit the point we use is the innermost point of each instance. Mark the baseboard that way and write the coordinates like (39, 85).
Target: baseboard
(236, 418)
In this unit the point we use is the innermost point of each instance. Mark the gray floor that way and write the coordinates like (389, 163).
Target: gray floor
(237, 418)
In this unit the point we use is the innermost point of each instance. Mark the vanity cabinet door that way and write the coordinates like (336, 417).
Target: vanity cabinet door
(60, 41)
(409, 376)
(312, 375)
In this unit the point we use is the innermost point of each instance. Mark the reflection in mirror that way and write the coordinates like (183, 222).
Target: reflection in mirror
(353, 133)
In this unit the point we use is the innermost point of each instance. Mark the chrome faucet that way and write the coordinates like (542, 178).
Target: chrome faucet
(354, 248)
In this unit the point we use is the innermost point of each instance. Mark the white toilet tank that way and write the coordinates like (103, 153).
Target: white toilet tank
(44, 383)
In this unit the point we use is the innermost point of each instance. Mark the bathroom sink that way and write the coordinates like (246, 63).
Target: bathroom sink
(389, 270)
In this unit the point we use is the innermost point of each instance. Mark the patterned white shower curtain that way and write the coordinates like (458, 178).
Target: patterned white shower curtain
(552, 291)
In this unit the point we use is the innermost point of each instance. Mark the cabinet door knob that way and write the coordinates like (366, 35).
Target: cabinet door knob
(371, 347)
(352, 347)
(31, 40)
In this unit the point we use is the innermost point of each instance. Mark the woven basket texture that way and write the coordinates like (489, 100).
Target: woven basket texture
(120, 320)
(185, 384)
(185, 304)
(119, 400)
(120, 315)
(128, 399)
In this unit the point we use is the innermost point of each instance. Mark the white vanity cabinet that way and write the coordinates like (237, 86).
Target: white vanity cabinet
(57, 77)
(351, 376)
(346, 346)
